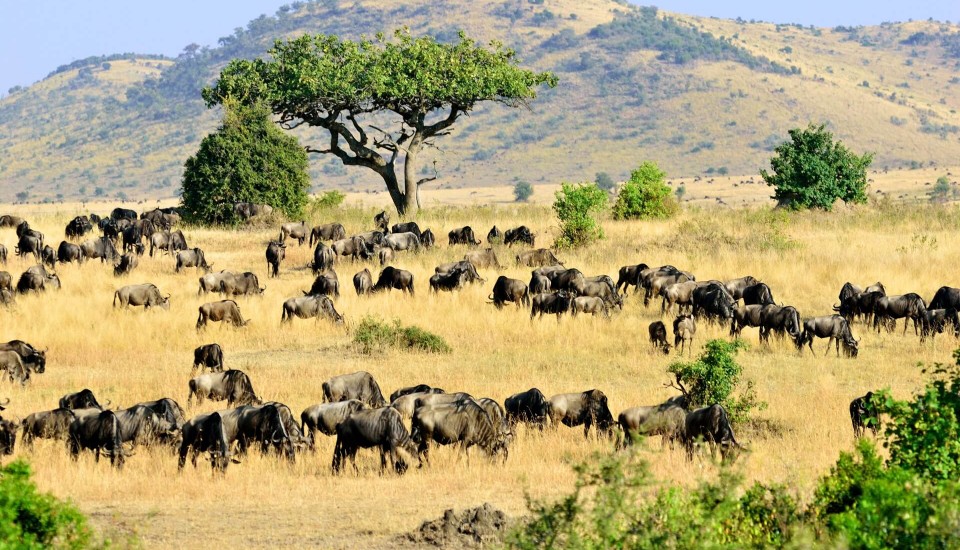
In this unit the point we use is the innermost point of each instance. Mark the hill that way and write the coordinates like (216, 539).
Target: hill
(698, 95)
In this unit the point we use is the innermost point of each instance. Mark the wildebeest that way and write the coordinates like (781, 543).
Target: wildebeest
(538, 258)
(6, 280)
(539, 283)
(482, 258)
(587, 408)
(654, 280)
(658, 336)
(132, 239)
(224, 310)
(684, 329)
(745, 316)
(28, 244)
(448, 281)
(736, 286)
(495, 236)
(33, 359)
(167, 241)
(392, 277)
(864, 413)
(323, 258)
(863, 305)
(325, 417)
(234, 386)
(243, 284)
(327, 232)
(406, 227)
(667, 419)
(211, 282)
(247, 210)
(427, 239)
(463, 265)
(890, 308)
(384, 254)
(363, 282)
(265, 425)
(710, 424)
(37, 280)
(758, 294)
(946, 298)
(935, 320)
(276, 252)
(509, 290)
(297, 230)
(712, 302)
(83, 399)
(602, 289)
(12, 364)
(3, 254)
(357, 385)
(382, 221)
(123, 214)
(206, 433)
(168, 409)
(7, 220)
(48, 256)
(99, 248)
(351, 246)
(419, 388)
(128, 262)
(315, 306)
(100, 433)
(589, 304)
(463, 235)
(831, 327)
(679, 294)
(519, 235)
(326, 284)
(779, 320)
(208, 356)
(146, 295)
(529, 407)
(142, 425)
(78, 227)
(557, 303)
(192, 258)
(53, 424)
(382, 428)
(465, 423)
(69, 252)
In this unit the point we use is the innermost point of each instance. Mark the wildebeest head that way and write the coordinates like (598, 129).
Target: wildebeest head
(599, 409)
(8, 436)
(165, 302)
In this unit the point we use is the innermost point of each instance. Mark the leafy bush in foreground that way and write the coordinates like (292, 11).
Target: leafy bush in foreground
(30, 519)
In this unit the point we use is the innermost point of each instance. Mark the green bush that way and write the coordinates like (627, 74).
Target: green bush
(714, 377)
(522, 191)
(321, 205)
(645, 195)
(604, 181)
(576, 206)
(30, 519)
(374, 335)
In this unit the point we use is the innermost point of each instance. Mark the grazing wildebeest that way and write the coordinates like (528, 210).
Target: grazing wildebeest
(654, 280)
(557, 303)
(211, 282)
(509, 290)
(449, 282)
(208, 356)
(325, 417)
(745, 316)
(326, 284)
(713, 303)
(482, 258)
(465, 423)
(599, 289)
(863, 305)
(588, 409)
(327, 232)
(206, 433)
(176, 241)
(758, 294)
(539, 283)
(710, 424)
(128, 262)
(427, 239)
(462, 265)
(192, 258)
(48, 256)
(168, 409)
(406, 227)
(276, 252)
(658, 336)
(99, 433)
(142, 425)
(243, 284)
(463, 235)
(831, 327)
(234, 386)
(269, 426)
(224, 310)
(315, 306)
(589, 304)
(37, 281)
(357, 385)
(946, 298)
(12, 364)
(132, 238)
(363, 282)
(419, 388)
(392, 277)
(540, 257)
(29, 244)
(890, 308)
(78, 227)
(7, 220)
(529, 407)
(779, 320)
(99, 248)
(684, 329)
(247, 210)
(382, 428)
(7, 297)
(297, 230)
(667, 420)
(323, 258)
(33, 359)
(736, 286)
(123, 214)
(679, 294)
(53, 424)
(6, 281)
(382, 221)
(519, 235)
(83, 399)
(935, 320)
(864, 413)
(384, 254)
(563, 279)
(495, 236)
(354, 247)
(146, 295)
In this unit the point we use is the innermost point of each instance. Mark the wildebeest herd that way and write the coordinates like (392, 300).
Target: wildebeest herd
(403, 428)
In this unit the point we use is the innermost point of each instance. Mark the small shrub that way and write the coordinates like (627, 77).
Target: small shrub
(714, 377)
(645, 195)
(30, 519)
(374, 335)
(327, 201)
(576, 206)
(522, 191)
(604, 181)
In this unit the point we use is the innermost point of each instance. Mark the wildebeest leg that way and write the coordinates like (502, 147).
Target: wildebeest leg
(96, 455)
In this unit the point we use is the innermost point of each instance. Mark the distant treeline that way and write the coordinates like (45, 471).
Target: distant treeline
(98, 59)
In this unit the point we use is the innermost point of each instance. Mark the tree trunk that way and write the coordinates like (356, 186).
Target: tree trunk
(393, 186)
(410, 181)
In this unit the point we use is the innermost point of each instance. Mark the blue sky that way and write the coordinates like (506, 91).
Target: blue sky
(36, 36)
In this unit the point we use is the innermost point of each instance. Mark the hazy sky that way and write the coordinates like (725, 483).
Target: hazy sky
(38, 35)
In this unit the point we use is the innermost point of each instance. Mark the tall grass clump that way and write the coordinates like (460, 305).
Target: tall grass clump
(374, 335)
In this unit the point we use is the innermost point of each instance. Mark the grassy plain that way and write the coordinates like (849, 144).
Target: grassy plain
(131, 356)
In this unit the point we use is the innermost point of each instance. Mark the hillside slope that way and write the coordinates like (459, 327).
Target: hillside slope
(697, 95)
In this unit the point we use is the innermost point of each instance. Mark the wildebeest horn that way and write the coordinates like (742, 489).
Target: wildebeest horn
(5, 403)
(836, 308)
(108, 403)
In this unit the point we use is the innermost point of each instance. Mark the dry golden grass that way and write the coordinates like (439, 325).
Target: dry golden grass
(130, 356)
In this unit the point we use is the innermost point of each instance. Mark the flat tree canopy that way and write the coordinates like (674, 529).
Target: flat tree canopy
(341, 85)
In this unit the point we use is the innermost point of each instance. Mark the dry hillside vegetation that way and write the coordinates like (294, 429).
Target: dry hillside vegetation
(131, 356)
(623, 97)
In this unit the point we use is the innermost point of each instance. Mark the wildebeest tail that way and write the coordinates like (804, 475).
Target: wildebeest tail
(116, 294)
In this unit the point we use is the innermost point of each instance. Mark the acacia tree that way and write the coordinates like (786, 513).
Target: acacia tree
(347, 87)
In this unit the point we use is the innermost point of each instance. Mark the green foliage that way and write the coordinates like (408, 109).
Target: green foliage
(645, 195)
(522, 191)
(714, 377)
(604, 181)
(813, 171)
(248, 159)
(30, 519)
(576, 207)
(328, 200)
(943, 190)
(680, 191)
(374, 335)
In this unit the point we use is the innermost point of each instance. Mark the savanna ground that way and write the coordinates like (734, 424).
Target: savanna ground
(132, 356)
